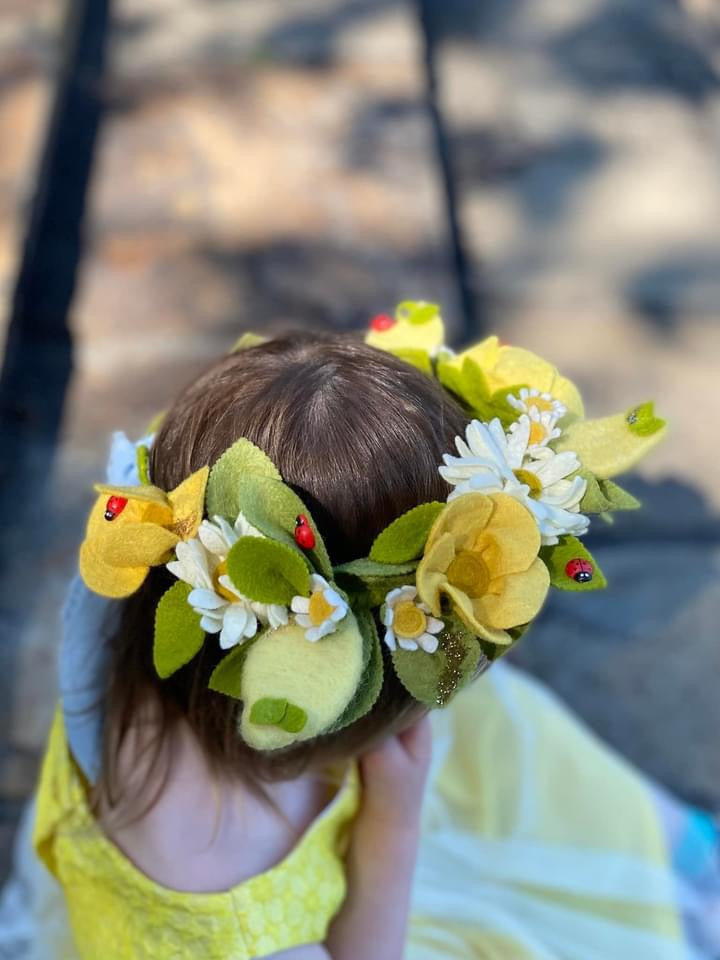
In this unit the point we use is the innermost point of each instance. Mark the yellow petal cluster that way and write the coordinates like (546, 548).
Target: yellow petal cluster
(116, 555)
(482, 553)
(506, 366)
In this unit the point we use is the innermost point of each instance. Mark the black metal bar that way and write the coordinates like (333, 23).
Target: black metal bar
(472, 321)
(38, 354)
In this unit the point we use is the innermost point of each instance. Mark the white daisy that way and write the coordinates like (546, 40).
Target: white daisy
(491, 462)
(539, 427)
(321, 612)
(534, 399)
(201, 563)
(408, 623)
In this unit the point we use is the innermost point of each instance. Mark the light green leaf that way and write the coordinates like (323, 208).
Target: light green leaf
(642, 420)
(178, 634)
(604, 496)
(272, 712)
(247, 340)
(142, 458)
(371, 568)
(227, 675)
(241, 460)
(404, 539)
(417, 312)
(556, 559)
(272, 507)
(267, 571)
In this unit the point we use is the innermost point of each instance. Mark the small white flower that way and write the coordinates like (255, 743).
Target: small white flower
(201, 563)
(534, 399)
(539, 428)
(491, 462)
(408, 623)
(321, 612)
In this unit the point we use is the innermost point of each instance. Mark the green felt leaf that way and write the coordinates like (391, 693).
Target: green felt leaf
(372, 679)
(416, 358)
(142, 458)
(272, 712)
(227, 675)
(642, 420)
(499, 406)
(417, 312)
(272, 507)
(435, 678)
(239, 461)
(267, 571)
(449, 376)
(404, 539)
(604, 496)
(557, 557)
(247, 340)
(178, 634)
(371, 568)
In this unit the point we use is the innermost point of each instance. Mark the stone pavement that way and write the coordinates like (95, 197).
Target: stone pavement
(266, 164)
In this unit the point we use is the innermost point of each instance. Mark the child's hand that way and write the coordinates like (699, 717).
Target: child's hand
(394, 776)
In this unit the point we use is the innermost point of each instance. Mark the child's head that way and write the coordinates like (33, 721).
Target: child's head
(358, 434)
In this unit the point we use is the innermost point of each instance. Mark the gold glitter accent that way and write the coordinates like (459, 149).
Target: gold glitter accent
(184, 527)
(454, 650)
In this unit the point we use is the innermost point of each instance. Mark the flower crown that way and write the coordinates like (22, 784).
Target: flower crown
(453, 584)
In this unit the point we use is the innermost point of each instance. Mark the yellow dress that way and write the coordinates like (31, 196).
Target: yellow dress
(117, 913)
(538, 844)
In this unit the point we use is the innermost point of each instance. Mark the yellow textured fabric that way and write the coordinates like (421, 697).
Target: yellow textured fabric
(116, 912)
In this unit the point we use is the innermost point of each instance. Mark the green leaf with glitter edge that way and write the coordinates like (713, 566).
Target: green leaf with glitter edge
(178, 634)
(417, 312)
(434, 678)
(271, 712)
(405, 538)
(604, 496)
(557, 557)
(372, 680)
(227, 675)
(247, 340)
(142, 460)
(272, 507)
(239, 461)
(267, 571)
(642, 420)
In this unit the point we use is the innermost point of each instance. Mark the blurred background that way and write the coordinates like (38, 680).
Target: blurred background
(174, 172)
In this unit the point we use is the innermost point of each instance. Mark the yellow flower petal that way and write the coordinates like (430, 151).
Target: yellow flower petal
(108, 581)
(467, 611)
(461, 517)
(187, 502)
(141, 544)
(145, 493)
(430, 573)
(520, 598)
(511, 539)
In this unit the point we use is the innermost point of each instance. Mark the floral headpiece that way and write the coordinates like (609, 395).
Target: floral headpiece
(452, 584)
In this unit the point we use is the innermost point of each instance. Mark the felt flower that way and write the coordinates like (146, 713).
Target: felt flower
(505, 367)
(131, 529)
(539, 428)
(201, 563)
(533, 399)
(482, 554)
(409, 623)
(492, 461)
(321, 612)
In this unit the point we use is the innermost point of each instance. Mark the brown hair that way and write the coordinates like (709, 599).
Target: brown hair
(358, 434)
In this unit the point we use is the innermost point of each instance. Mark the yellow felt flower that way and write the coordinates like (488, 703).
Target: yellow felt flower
(131, 529)
(505, 366)
(482, 553)
(415, 334)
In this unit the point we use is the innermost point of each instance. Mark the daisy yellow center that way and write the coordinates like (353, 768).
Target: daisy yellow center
(469, 573)
(219, 589)
(532, 480)
(319, 609)
(537, 433)
(408, 620)
(540, 404)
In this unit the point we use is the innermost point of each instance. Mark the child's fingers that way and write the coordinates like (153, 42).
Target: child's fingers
(417, 740)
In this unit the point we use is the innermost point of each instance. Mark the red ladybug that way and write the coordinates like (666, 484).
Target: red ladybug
(579, 570)
(114, 507)
(382, 321)
(304, 537)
